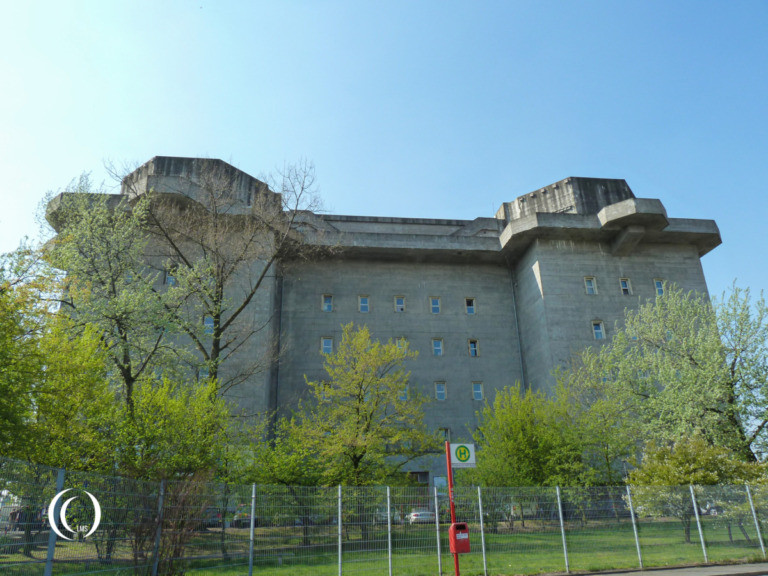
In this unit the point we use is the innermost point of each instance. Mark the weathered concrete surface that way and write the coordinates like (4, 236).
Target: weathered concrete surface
(525, 270)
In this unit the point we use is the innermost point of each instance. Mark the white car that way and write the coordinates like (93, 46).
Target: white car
(421, 516)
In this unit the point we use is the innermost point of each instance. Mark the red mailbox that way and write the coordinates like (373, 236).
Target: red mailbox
(458, 536)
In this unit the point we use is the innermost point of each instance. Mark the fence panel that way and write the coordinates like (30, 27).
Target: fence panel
(522, 530)
(124, 539)
(364, 530)
(296, 530)
(599, 529)
(198, 527)
(25, 491)
(667, 525)
(414, 541)
(727, 523)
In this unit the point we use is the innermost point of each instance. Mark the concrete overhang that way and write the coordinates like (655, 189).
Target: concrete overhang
(54, 210)
(704, 234)
(646, 212)
(639, 220)
(411, 247)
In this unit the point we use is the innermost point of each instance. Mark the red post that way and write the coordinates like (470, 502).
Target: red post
(450, 498)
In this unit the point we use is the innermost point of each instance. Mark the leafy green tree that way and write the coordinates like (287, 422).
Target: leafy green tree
(680, 366)
(665, 469)
(366, 422)
(176, 430)
(223, 258)
(528, 439)
(287, 458)
(19, 358)
(285, 464)
(75, 413)
(54, 391)
(110, 284)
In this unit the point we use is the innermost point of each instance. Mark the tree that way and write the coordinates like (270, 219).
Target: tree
(19, 361)
(223, 253)
(366, 422)
(101, 246)
(527, 439)
(287, 457)
(681, 366)
(692, 460)
(53, 390)
(285, 463)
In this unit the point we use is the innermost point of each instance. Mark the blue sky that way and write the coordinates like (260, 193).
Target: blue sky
(422, 109)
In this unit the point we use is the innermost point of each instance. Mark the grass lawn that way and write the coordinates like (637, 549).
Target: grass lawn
(530, 550)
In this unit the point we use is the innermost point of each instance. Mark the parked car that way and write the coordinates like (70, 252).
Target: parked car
(242, 518)
(380, 516)
(420, 516)
(210, 518)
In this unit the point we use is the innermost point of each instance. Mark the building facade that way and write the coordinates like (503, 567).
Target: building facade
(485, 301)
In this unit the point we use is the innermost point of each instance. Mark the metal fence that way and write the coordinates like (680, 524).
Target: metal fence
(197, 527)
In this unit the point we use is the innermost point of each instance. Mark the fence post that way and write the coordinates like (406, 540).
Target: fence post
(634, 526)
(754, 517)
(339, 523)
(253, 525)
(159, 531)
(698, 523)
(437, 532)
(389, 532)
(562, 529)
(52, 534)
(482, 529)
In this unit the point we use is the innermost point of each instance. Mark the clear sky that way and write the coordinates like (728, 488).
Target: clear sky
(430, 109)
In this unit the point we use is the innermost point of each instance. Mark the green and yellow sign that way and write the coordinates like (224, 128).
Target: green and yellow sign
(462, 455)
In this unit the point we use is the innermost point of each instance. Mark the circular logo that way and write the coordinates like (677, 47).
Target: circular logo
(462, 453)
(63, 514)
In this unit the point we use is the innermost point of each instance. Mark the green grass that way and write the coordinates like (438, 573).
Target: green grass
(537, 548)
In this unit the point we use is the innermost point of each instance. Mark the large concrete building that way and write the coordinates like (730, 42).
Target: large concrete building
(486, 301)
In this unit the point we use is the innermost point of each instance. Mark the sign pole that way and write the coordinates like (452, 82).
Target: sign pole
(450, 498)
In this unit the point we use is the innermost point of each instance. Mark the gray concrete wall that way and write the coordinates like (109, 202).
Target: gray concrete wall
(559, 323)
(527, 265)
(493, 325)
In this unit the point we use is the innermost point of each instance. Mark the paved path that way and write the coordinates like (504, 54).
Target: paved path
(758, 569)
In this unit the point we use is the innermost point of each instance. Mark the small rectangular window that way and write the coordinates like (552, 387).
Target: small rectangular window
(474, 349)
(590, 284)
(363, 304)
(626, 287)
(208, 324)
(469, 303)
(399, 303)
(403, 397)
(477, 391)
(327, 303)
(445, 434)
(170, 279)
(441, 393)
(659, 285)
(419, 477)
(434, 305)
(401, 342)
(437, 347)
(326, 345)
(598, 330)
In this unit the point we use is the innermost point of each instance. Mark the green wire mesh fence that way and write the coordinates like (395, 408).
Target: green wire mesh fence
(197, 527)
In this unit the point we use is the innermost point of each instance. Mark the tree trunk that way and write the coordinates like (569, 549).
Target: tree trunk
(743, 531)
(223, 542)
